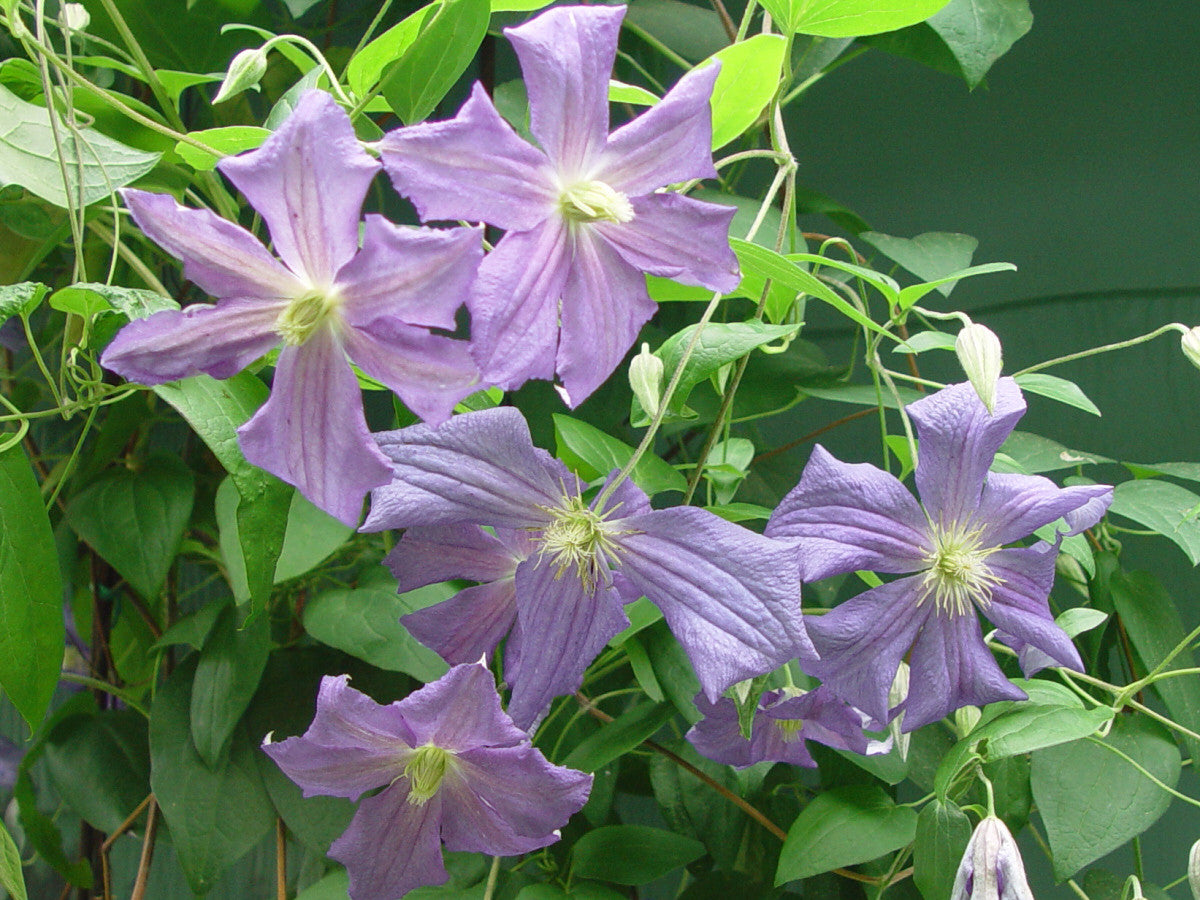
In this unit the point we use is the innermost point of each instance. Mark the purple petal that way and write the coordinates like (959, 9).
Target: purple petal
(1013, 506)
(224, 259)
(434, 554)
(951, 668)
(467, 626)
(392, 846)
(353, 744)
(718, 737)
(1019, 604)
(627, 498)
(827, 719)
(429, 372)
(604, 306)
(561, 626)
(473, 167)
(674, 236)
(670, 142)
(567, 56)
(851, 516)
(509, 801)
(419, 276)
(308, 181)
(311, 432)
(958, 441)
(514, 307)
(219, 340)
(862, 641)
(461, 711)
(731, 597)
(478, 467)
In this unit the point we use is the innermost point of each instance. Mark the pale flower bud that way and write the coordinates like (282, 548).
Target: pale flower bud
(1191, 346)
(991, 867)
(646, 379)
(245, 72)
(965, 719)
(979, 353)
(75, 16)
(1193, 870)
(897, 694)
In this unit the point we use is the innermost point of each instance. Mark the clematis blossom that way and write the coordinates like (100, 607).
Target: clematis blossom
(951, 550)
(325, 299)
(563, 291)
(731, 597)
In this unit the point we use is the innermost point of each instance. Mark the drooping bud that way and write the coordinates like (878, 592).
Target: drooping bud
(1193, 870)
(979, 353)
(245, 72)
(1191, 346)
(646, 379)
(991, 867)
(897, 694)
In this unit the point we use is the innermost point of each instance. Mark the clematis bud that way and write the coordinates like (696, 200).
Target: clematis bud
(965, 719)
(245, 72)
(897, 694)
(1191, 346)
(1193, 870)
(979, 353)
(75, 16)
(646, 379)
(991, 867)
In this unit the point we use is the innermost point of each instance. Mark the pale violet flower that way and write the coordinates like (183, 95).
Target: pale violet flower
(950, 550)
(991, 867)
(564, 292)
(454, 771)
(325, 299)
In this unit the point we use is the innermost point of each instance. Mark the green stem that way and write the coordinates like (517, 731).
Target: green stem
(1119, 345)
(493, 875)
(1139, 767)
(658, 45)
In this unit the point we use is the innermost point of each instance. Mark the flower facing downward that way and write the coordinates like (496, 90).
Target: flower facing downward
(325, 299)
(991, 867)
(454, 771)
(951, 550)
(564, 292)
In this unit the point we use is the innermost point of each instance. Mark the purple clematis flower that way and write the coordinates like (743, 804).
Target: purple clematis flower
(453, 768)
(324, 299)
(731, 597)
(564, 290)
(950, 547)
(784, 720)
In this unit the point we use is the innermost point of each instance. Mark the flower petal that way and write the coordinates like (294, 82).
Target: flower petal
(561, 626)
(850, 516)
(473, 167)
(731, 596)
(670, 142)
(308, 180)
(430, 373)
(224, 259)
(1013, 506)
(392, 846)
(1020, 606)
(467, 626)
(478, 467)
(718, 736)
(440, 553)
(567, 55)
(461, 711)
(958, 441)
(218, 340)
(311, 432)
(677, 237)
(509, 801)
(604, 306)
(420, 276)
(514, 306)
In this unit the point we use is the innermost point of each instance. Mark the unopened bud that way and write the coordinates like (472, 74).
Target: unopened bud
(991, 867)
(1193, 870)
(1191, 346)
(245, 72)
(965, 720)
(646, 379)
(74, 16)
(979, 354)
(897, 694)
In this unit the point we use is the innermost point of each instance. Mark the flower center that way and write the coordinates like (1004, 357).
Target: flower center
(789, 729)
(425, 771)
(595, 201)
(305, 314)
(577, 538)
(958, 574)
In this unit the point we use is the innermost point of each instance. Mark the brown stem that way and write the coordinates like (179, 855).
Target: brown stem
(869, 411)
(143, 872)
(148, 617)
(127, 824)
(280, 860)
(726, 21)
(902, 330)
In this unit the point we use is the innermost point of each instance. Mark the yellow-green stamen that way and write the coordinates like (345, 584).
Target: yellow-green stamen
(578, 538)
(958, 574)
(425, 771)
(594, 201)
(305, 314)
(789, 729)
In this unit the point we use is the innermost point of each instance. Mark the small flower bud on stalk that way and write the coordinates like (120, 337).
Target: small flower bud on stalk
(991, 867)
(646, 379)
(1191, 346)
(897, 694)
(979, 353)
(245, 72)
(75, 16)
(1193, 870)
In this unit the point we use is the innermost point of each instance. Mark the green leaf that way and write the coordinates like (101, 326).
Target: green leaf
(192, 629)
(620, 92)
(843, 827)
(20, 299)
(1079, 619)
(1059, 389)
(592, 454)
(727, 466)
(215, 814)
(96, 165)
(1032, 726)
(135, 520)
(518, 5)
(1092, 800)
(862, 395)
(979, 32)
(915, 292)
(227, 675)
(691, 31)
(929, 256)
(850, 18)
(31, 623)
(748, 80)
(225, 141)
(689, 806)
(1163, 507)
(926, 340)
(12, 878)
(1034, 454)
(1185, 470)
(943, 831)
(619, 736)
(368, 64)
(418, 80)
(741, 512)
(365, 622)
(632, 854)
(78, 301)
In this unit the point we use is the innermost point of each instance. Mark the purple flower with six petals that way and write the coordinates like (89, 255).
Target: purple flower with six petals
(324, 299)
(845, 517)
(453, 768)
(583, 217)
